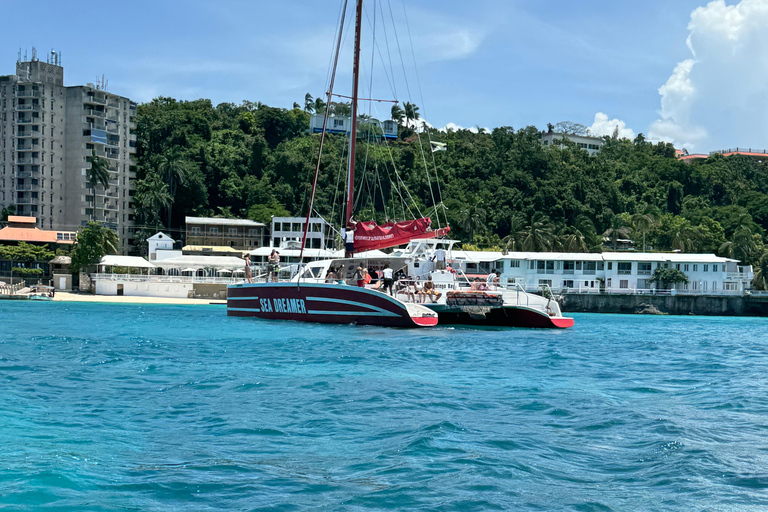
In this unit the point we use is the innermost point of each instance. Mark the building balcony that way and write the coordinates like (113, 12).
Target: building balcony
(28, 174)
(644, 272)
(97, 100)
(22, 188)
(28, 160)
(27, 121)
(24, 135)
(30, 147)
(624, 272)
(28, 107)
(28, 94)
(568, 271)
(95, 113)
(113, 183)
(27, 200)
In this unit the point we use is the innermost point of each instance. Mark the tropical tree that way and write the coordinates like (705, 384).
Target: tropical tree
(471, 220)
(97, 174)
(26, 253)
(618, 230)
(397, 113)
(309, 104)
(643, 222)
(667, 276)
(411, 112)
(174, 171)
(319, 105)
(573, 240)
(760, 281)
(512, 242)
(93, 242)
(152, 197)
(742, 245)
(539, 235)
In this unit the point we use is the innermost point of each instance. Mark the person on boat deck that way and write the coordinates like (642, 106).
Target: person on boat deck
(273, 265)
(330, 276)
(428, 290)
(404, 287)
(359, 276)
(248, 275)
(439, 258)
(388, 281)
(348, 236)
(340, 275)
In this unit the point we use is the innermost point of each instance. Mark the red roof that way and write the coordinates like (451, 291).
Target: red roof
(8, 234)
(18, 219)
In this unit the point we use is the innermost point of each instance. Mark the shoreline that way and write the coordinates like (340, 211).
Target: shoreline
(133, 299)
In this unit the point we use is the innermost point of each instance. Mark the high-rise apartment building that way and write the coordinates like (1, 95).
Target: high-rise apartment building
(47, 132)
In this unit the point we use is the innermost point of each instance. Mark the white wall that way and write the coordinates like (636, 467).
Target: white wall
(145, 289)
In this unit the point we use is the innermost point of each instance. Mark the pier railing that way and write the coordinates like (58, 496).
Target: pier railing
(143, 278)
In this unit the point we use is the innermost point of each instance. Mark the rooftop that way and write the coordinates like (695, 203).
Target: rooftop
(217, 221)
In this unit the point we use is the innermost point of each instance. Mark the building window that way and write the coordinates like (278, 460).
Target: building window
(695, 267)
(714, 268)
(644, 269)
(196, 230)
(232, 231)
(214, 230)
(514, 263)
(686, 267)
(625, 267)
(610, 265)
(624, 284)
(706, 269)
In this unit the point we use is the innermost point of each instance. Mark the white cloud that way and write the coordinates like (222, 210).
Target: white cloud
(604, 126)
(719, 97)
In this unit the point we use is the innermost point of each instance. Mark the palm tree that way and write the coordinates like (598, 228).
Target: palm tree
(309, 104)
(683, 237)
(511, 242)
(573, 240)
(741, 246)
(97, 174)
(539, 235)
(643, 222)
(174, 171)
(152, 196)
(411, 113)
(760, 281)
(397, 113)
(618, 230)
(472, 219)
(319, 106)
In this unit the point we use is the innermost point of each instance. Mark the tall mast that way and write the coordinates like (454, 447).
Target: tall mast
(353, 132)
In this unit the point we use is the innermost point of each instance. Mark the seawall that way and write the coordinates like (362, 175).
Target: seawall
(708, 305)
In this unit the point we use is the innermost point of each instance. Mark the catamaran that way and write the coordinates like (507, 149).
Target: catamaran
(324, 291)
(313, 300)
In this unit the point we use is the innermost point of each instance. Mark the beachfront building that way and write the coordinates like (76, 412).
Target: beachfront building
(240, 234)
(24, 229)
(608, 272)
(47, 132)
(589, 144)
(320, 234)
(758, 155)
(343, 124)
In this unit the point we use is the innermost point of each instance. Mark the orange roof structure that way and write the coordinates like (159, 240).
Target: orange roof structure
(23, 229)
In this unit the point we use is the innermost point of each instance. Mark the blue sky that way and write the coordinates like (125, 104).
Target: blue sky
(483, 63)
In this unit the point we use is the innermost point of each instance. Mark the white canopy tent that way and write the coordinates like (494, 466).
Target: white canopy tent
(116, 260)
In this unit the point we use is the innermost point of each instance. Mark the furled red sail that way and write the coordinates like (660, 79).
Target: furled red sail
(369, 236)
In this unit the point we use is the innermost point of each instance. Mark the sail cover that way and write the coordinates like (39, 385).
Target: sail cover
(369, 236)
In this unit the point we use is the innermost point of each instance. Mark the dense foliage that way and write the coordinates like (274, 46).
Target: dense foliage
(499, 189)
(93, 242)
(27, 255)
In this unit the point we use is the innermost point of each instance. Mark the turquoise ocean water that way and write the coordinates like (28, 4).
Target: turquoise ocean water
(158, 408)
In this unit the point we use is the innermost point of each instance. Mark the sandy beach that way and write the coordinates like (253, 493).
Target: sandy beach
(77, 297)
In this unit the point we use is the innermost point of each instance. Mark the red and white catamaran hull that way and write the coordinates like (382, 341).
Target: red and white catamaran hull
(324, 303)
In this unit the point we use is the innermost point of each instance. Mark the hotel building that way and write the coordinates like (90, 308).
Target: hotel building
(47, 132)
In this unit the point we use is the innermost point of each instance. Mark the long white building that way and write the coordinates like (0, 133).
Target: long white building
(608, 272)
